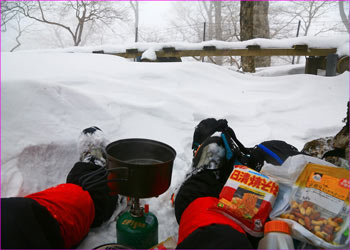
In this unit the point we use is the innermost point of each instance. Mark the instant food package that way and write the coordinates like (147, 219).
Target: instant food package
(321, 202)
(247, 198)
(315, 203)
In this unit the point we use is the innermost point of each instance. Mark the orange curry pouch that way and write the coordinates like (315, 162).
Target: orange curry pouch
(247, 198)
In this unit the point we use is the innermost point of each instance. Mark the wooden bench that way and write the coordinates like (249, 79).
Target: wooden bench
(316, 57)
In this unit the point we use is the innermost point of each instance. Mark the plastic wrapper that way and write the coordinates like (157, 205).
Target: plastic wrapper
(247, 198)
(169, 243)
(315, 202)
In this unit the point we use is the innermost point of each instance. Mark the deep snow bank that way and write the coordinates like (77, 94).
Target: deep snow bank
(48, 98)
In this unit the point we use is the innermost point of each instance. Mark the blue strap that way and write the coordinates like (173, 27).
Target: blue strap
(272, 154)
(228, 150)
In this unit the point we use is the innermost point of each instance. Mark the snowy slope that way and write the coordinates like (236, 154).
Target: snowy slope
(48, 98)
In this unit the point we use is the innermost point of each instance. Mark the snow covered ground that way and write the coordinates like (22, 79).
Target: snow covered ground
(48, 98)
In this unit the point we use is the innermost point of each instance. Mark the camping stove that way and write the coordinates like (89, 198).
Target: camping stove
(137, 228)
(139, 168)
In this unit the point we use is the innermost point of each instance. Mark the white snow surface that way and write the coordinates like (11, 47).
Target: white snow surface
(149, 54)
(48, 98)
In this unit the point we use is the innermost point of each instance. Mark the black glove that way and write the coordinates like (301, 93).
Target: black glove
(205, 129)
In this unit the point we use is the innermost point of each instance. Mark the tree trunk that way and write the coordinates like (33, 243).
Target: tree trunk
(261, 29)
(135, 7)
(247, 25)
(218, 28)
(209, 11)
(136, 14)
(344, 19)
(80, 33)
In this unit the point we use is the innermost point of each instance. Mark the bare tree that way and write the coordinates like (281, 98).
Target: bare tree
(247, 32)
(20, 30)
(261, 29)
(218, 28)
(209, 7)
(218, 20)
(190, 19)
(6, 14)
(284, 16)
(233, 20)
(281, 25)
(221, 18)
(85, 12)
(307, 12)
(271, 20)
(135, 8)
(344, 18)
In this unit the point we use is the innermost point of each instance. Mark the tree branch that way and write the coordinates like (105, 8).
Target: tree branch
(25, 12)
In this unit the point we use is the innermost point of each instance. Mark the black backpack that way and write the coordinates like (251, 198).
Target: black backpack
(274, 151)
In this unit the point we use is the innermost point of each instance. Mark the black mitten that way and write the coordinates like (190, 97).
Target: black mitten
(205, 129)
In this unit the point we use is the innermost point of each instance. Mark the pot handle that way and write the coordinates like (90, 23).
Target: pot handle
(115, 170)
(100, 176)
(123, 172)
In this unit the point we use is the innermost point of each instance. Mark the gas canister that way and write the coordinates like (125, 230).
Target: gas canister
(137, 232)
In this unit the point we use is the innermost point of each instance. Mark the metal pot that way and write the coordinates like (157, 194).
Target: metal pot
(139, 168)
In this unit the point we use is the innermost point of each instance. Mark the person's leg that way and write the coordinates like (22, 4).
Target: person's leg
(203, 184)
(71, 207)
(91, 147)
(60, 217)
(105, 204)
(209, 174)
(209, 183)
(78, 205)
(215, 236)
(210, 229)
(27, 224)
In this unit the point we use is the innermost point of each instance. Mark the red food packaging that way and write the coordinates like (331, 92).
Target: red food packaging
(248, 198)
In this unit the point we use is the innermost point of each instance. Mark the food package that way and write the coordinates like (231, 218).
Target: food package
(169, 243)
(247, 198)
(315, 201)
(320, 202)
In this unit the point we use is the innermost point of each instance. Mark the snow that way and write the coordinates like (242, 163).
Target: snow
(149, 54)
(340, 42)
(48, 98)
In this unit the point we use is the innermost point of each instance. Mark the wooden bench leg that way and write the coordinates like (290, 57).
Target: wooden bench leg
(331, 67)
(311, 65)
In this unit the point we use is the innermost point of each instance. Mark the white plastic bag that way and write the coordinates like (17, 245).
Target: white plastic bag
(313, 199)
